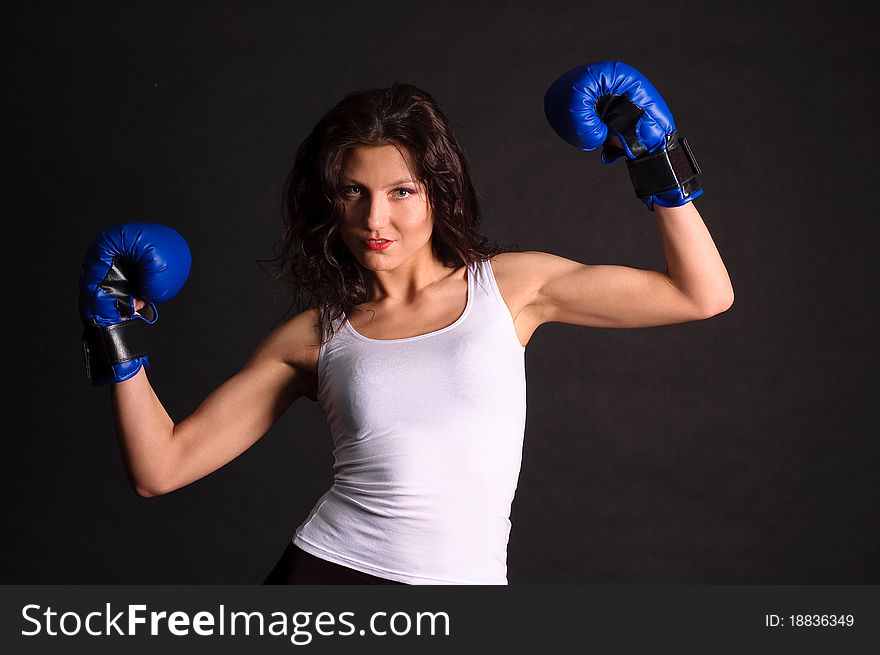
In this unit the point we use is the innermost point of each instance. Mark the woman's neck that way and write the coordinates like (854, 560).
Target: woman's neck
(404, 283)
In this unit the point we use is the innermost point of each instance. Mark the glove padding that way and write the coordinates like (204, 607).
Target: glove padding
(133, 260)
(589, 103)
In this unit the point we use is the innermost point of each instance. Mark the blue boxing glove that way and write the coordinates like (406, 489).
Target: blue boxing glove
(590, 103)
(125, 262)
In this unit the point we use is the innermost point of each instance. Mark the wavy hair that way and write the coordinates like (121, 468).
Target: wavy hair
(311, 256)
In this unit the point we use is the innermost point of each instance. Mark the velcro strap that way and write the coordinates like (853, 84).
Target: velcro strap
(114, 344)
(671, 167)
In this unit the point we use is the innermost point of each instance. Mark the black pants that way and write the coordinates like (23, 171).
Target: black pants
(296, 566)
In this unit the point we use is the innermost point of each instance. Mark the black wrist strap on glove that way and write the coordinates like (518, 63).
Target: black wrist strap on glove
(673, 166)
(105, 346)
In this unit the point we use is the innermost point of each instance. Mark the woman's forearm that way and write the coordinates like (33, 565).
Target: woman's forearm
(693, 262)
(144, 430)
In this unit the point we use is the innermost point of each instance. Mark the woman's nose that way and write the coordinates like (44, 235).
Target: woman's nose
(377, 214)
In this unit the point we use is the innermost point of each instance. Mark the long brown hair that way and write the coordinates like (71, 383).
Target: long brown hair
(312, 257)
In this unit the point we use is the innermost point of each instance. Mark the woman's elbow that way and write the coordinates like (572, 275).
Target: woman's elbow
(150, 490)
(722, 304)
(144, 492)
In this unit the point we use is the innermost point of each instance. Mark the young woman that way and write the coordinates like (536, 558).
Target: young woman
(413, 343)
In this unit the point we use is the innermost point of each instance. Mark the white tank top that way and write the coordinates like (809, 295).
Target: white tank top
(428, 436)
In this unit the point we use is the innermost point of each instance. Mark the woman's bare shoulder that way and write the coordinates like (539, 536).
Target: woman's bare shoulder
(507, 270)
(520, 262)
(515, 274)
(299, 340)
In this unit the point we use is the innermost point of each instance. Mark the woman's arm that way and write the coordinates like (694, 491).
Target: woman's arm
(611, 105)
(694, 286)
(693, 263)
(162, 456)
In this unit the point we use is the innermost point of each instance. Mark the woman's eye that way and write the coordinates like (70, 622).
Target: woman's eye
(352, 191)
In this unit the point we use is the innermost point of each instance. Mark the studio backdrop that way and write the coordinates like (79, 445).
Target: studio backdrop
(736, 450)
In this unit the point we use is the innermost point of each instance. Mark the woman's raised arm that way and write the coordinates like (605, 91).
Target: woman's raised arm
(162, 456)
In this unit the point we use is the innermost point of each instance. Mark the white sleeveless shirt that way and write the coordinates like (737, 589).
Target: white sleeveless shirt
(428, 435)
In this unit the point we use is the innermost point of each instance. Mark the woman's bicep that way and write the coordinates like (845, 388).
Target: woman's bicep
(599, 295)
(609, 295)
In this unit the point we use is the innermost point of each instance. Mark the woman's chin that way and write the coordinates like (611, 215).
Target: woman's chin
(375, 262)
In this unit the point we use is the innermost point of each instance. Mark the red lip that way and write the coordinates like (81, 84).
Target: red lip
(378, 245)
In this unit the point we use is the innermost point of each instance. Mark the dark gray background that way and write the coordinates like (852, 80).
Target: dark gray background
(736, 450)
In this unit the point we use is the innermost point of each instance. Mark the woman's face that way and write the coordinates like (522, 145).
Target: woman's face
(383, 201)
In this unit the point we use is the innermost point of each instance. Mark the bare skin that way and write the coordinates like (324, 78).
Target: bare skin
(412, 294)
